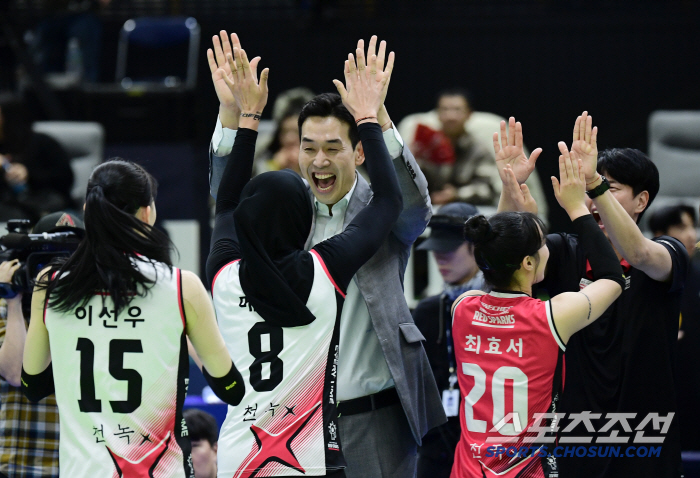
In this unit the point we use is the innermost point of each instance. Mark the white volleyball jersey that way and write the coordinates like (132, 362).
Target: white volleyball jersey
(286, 424)
(121, 382)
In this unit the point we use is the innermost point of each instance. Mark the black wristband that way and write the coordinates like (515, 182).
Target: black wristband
(36, 387)
(229, 388)
(599, 189)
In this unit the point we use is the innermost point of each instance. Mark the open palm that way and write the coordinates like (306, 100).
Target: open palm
(220, 69)
(510, 153)
(585, 144)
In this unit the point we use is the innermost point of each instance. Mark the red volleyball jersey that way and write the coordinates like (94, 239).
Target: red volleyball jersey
(509, 358)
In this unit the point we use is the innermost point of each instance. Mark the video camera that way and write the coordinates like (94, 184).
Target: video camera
(34, 252)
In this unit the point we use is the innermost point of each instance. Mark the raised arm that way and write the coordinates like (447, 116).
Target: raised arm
(219, 370)
(514, 168)
(229, 112)
(363, 94)
(644, 254)
(571, 311)
(416, 210)
(251, 97)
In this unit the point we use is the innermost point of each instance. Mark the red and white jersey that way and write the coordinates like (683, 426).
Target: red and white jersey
(286, 424)
(507, 351)
(121, 382)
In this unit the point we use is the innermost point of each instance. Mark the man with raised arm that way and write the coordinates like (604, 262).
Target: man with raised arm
(387, 394)
(619, 395)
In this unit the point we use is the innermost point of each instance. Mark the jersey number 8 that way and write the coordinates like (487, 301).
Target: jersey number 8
(270, 355)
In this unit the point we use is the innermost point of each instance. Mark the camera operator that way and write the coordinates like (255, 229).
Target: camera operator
(29, 432)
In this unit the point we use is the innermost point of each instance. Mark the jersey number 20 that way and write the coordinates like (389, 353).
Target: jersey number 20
(117, 348)
(498, 394)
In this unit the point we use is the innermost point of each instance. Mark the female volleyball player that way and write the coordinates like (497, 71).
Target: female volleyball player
(108, 329)
(509, 345)
(279, 305)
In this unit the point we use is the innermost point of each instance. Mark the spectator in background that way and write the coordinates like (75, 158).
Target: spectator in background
(680, 222)
(677, 221)
(283, 150)
(37, 176)
(204, 435)
(69, 19)
(280, 150)
(455, 258)
(480, 126)
(456, 166)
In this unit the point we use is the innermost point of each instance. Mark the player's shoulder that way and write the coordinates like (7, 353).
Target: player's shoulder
(674, 246)
(225, 273)
(466, 295)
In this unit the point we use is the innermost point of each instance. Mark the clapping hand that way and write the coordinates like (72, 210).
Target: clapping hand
(519, 194)
(570, 189)
(509, 152)
(366, 83)
(220, 69)
(249, 93)
(383, 115)
(585, 145)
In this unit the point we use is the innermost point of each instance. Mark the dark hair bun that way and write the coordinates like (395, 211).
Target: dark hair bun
(478, 230)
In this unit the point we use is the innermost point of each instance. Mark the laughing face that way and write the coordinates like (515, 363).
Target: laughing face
(327, 159)
(633, 204)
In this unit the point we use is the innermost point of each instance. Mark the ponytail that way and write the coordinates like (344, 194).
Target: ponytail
(502, 242)
(114, 240)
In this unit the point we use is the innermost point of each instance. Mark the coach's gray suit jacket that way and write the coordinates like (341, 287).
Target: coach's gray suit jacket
(380, 281)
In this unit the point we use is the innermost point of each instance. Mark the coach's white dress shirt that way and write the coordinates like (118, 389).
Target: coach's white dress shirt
(362, 368)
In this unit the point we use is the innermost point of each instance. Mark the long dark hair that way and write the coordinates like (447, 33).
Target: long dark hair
(502, 242)
(114, 240)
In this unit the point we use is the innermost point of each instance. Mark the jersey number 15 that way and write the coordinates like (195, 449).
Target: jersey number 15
(117, 348)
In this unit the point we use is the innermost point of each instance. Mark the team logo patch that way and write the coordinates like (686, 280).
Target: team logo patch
(65, 220)
(333, 432)
(492, 316)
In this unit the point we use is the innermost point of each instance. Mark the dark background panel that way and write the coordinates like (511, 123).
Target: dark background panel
(543, 62)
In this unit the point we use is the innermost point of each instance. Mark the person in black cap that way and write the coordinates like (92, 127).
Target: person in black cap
(455, 259)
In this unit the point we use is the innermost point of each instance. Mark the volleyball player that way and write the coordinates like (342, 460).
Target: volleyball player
(278, 305)
(509, 345)
(108, 330)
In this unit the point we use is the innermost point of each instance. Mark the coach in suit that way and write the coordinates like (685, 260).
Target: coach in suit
(386, 391)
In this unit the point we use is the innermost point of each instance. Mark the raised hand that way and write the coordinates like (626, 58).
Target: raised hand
(509, 151)
(366, 84)
(249, 94)
(518, 194)
(220, 69)
(570, 189)
(586, 146)
(383, 115)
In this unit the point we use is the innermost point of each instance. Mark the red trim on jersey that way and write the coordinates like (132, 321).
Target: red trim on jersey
(625, 268)
(323, 264)
(179, 298)
(217, 275)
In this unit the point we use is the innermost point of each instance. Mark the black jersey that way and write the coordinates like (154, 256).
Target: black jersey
(622, 363)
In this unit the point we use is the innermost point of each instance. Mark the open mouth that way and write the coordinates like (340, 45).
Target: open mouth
(324, 181)
(596, 216)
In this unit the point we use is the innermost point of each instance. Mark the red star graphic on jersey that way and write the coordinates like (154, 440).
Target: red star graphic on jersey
(143, 468)
(276, 448)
